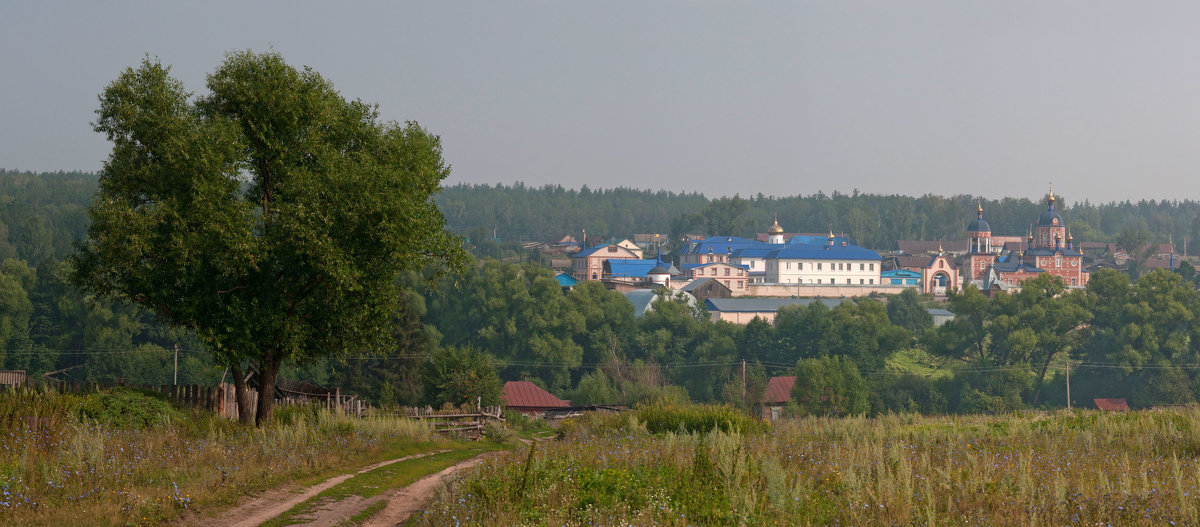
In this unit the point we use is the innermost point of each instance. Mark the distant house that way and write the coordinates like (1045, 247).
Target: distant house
(528, 398)
(633, 247)
(735, 277)
(566, 281)
(777, 395)
(743, 310)
(1117, 405)
(706, 288)
(940, 316)
(588, 264)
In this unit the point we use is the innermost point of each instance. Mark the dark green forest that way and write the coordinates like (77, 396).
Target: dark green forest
(1123, 337)
(519, 213)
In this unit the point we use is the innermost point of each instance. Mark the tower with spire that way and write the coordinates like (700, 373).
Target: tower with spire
(1050, 225)
(979, 245)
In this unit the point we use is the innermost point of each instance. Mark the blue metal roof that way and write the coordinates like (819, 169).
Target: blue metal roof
(590, 250)
(900, 273)
(757, 251)
(631, 268)
(566, 280)
(720, 245)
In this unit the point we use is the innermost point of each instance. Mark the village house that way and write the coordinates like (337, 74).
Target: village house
(588, 264)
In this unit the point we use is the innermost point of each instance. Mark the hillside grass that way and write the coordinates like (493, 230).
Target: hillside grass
(129, 458)
(1082, 468)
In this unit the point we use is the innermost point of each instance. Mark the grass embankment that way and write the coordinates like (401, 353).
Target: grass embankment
(123, 457)
(1138, 468)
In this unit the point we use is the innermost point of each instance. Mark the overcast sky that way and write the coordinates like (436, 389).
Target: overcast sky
(997, 99)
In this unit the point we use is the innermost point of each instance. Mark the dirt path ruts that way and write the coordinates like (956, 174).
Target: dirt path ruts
(403, 502)
(274, 502)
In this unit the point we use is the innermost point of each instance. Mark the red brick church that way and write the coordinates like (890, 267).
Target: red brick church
(1050, 249)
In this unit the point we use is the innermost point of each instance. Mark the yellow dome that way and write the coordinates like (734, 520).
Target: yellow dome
(775, 229)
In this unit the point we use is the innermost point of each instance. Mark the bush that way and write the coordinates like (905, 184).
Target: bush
(666, 417)
(128, 408)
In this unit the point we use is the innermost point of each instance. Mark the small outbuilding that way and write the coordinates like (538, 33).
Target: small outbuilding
(776, 396)
(527, 398)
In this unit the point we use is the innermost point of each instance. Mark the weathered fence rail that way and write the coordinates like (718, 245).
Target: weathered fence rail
(452, 420)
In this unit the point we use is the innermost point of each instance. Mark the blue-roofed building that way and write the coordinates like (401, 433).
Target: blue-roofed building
(566, 281)
(833, 262)
(712, 249)
(588, 264)
(901, 277)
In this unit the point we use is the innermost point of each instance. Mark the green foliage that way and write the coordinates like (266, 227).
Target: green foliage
(271, 216)
(829, 386)
(905, 310)
(667, 417)
(128, 409)
(458, 375)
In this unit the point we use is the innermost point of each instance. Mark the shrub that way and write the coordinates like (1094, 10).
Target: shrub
(666, 417)
(128, 408)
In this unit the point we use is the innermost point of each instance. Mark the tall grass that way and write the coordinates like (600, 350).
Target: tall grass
(66, 458)
(1138, 468)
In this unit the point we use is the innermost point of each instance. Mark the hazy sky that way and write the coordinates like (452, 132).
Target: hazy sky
(985, 98)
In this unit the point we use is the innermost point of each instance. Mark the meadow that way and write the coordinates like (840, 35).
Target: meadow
(1080, 468)
(128, 458)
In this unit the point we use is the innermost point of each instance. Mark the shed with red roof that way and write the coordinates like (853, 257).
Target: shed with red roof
(527, 398)
(776, 396)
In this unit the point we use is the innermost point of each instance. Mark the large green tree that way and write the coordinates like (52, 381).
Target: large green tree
(271, 216)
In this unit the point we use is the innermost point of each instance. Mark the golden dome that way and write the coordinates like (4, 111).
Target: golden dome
(775, 229)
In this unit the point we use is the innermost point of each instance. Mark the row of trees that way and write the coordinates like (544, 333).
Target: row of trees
(875, 220)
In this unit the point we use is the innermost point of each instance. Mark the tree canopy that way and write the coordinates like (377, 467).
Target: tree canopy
(271, 216)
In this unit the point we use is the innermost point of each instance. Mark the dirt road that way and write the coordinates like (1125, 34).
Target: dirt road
(400, 502)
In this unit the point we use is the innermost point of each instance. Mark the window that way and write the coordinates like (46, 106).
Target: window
(818, 266)
(862, 267)
(789, 265)
(872, 267)
(839, 266)
(712, 271)
(612, 248)
(860, 281)
(726, 271)
(872, 280)
(847, 280)
(1058, 261)
(818, 280)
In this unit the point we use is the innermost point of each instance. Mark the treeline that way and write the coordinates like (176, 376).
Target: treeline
(518, 212)
(1125, 338)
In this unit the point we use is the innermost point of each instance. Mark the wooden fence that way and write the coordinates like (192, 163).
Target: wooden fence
(467, 423)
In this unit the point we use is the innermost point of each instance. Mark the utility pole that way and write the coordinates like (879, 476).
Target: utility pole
(176, 364)
(743, 380)
(1068, 384)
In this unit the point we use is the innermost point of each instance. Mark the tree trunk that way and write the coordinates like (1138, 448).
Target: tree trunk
(239, 393)
(266, 389)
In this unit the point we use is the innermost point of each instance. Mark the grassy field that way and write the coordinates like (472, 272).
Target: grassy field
(125, 458)
(1085, 468)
